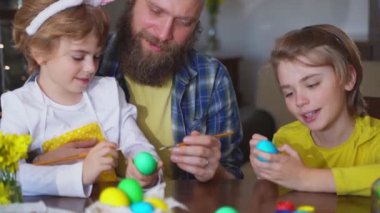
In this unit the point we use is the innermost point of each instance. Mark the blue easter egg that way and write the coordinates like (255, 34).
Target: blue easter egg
(266, 146)
(142, 207)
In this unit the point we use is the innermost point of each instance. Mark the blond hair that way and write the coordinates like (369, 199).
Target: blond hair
(75, 22)
(324, 45)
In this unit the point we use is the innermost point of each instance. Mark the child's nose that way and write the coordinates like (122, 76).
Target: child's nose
(90, 66)
(301, 99)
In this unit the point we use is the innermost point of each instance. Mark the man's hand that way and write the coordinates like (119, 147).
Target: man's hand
(200, 156)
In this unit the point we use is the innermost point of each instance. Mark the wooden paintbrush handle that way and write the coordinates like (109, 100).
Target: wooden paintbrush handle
(62, 160)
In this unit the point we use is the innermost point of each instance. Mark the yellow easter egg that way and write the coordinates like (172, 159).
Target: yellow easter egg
(157, 203)
(114, 197)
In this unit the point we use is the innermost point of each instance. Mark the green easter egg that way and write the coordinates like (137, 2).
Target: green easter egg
(114, 197)
(145, 163)
(132, 189)
(226, 209)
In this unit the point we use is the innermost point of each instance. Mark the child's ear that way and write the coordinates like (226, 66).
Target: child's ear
(38, 56)
(351, 80)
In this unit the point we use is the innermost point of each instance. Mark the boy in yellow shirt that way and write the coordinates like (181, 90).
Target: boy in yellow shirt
(334, 145)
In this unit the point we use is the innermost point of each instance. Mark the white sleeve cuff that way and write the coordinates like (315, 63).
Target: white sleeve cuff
(69, 181)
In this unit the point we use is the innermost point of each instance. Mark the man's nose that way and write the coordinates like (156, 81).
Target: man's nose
(166, 30)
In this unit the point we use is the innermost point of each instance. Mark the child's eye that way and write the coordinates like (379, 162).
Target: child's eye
(287, 94)
(313, 85)
(77, 58)
(97, 57)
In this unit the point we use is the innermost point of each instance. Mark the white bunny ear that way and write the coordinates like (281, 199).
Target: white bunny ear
(104, 2)
(48, 12)
(94, 3)
(57, 7)
(97, 3)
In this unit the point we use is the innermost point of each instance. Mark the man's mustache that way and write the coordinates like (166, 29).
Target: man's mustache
(165, 46)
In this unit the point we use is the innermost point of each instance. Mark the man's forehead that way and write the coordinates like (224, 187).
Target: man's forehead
(190, 8)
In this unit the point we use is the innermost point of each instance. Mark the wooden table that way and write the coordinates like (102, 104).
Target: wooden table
(244, 195)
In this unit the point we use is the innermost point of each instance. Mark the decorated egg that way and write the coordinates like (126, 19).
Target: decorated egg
(142, 207)
(226, 209)
(266, 146)
(145, 163)
(132, 189)
(114, 197)
(306, 208)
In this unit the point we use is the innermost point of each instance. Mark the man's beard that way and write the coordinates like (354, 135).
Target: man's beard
(149, 68)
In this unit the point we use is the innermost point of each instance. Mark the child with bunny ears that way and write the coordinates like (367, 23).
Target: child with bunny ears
(67, 110)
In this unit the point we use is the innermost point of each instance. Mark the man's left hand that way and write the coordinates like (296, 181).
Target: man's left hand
(200, 156)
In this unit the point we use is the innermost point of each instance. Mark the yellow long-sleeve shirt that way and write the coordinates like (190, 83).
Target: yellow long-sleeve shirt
(355, 164)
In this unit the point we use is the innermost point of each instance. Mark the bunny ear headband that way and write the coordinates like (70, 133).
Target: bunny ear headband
(57, 7)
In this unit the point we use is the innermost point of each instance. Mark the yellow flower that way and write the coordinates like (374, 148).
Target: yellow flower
(13, 148)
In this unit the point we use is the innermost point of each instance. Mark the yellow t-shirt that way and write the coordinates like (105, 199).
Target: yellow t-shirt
(156, 125)
(355, 163)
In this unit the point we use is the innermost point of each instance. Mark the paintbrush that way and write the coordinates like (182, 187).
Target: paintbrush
(69, 158)
(62, 160)
(220, 135)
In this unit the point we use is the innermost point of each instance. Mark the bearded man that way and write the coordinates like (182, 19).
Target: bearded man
(181, 95)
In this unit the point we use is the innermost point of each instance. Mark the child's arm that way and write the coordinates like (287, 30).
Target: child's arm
(101, 158)
(356, 180)
(133, 141)
(58, 180)
(288, 170)
(66, 150)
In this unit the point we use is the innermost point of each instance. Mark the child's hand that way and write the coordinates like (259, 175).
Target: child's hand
(66, 150)
(145, 181)
(101, 158)
(255, 139)
(285, 169)
(252, 146)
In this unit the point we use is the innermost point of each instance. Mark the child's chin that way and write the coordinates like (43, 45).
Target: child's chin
(313, 126)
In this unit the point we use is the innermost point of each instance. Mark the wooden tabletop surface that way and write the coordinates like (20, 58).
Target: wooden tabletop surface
(244, 195)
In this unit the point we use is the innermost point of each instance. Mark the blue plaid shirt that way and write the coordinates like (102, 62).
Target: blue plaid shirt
(203, 99)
